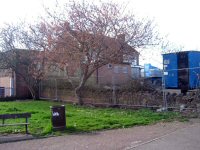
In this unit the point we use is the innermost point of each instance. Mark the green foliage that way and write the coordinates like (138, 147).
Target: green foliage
(79, 118)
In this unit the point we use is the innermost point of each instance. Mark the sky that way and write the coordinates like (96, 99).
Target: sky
(178, 19)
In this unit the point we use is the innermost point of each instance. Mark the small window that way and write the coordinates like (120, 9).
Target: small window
(109, 66)
(166, 61)
(134, 62)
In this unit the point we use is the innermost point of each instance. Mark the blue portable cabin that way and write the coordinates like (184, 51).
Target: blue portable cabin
(182, 70)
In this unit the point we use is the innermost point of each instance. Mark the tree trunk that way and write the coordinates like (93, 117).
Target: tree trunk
(79, 89)
(34, 90)
(37, 96)
(78, 94)
(32, 93)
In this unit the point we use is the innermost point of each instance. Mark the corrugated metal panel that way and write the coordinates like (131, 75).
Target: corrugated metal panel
(170, 66)
(194, 71)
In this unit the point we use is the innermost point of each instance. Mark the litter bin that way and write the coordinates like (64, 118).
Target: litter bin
(58, 117)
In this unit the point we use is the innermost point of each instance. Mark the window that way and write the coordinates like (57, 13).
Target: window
(166, 61)
(134, 62)
(125, 69)
(116, 69)
(109, 66)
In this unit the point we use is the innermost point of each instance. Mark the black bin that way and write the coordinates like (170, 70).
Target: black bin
(58, 117)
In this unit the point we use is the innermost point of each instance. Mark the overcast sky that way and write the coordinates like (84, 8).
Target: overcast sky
(179, 19)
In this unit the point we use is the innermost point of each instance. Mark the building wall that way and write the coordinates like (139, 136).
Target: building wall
(6, 86)
(5, 82)
(114, 74)
(13, 86)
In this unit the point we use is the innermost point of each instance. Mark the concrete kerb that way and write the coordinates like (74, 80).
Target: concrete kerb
(15, 138)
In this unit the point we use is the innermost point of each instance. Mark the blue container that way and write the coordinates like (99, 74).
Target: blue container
(177, 69)
(152, 71)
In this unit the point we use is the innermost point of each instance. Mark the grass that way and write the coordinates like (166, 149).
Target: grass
(79, 119)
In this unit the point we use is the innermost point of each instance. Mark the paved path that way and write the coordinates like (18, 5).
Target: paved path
(145, 137)
(184, 139)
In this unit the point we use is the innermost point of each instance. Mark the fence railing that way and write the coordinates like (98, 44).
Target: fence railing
(60, 89)
(6, 92)
(129, 95)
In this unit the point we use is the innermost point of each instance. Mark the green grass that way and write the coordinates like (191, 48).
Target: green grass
(79, 119)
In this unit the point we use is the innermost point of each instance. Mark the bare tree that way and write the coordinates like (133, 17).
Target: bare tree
(22, 51)
(171, 47)
(86, 37)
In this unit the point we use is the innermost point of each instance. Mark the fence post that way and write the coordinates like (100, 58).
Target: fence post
(163, 89)
(56, 94)
(40, 85)
(114, 91)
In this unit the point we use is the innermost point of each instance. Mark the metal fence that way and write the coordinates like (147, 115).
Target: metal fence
(54, 89)
(131, 96)
(6, 92)
(111, 92)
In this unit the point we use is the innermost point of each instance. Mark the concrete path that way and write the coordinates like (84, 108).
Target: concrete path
(145, 137)
(184, 139)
